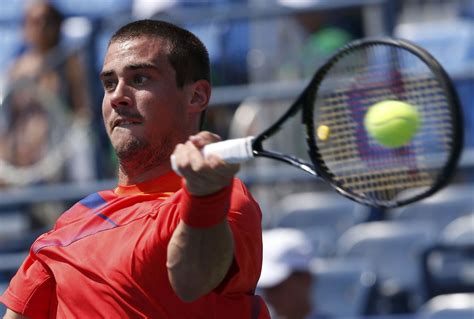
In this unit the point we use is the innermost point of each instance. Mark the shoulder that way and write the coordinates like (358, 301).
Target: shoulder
(83, 208)
(244, 212)
(23, 65)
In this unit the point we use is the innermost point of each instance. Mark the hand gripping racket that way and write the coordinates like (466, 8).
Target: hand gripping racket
(343, 153)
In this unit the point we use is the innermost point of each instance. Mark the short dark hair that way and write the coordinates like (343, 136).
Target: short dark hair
(54, 14)
(187, 54)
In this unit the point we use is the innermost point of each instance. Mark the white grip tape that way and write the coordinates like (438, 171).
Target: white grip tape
(231, 151)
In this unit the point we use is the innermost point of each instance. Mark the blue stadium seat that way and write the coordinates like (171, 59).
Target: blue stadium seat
(447, 269)
(448, 265)
(3, 287)
(227, 44)
(394, 250)
(451, 306)
(342, 287)
(323, 240)
(13, 222)
(460, 231)
(320, 209)
(465, 89)
(9, 264)
(440, 209)
(324, 217)
(20, 241)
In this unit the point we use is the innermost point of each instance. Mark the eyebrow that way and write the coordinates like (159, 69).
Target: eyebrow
(134, 66)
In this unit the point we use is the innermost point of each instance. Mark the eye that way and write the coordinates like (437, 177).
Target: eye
(109, 85)
(140, 79)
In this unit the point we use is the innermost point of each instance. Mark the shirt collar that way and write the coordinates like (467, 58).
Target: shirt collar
(168, 183)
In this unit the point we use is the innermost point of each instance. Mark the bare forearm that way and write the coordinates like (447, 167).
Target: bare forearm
(198, 259)
(199, 256)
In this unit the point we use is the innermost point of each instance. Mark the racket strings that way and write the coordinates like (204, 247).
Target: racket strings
(335, 114)
(355, 159)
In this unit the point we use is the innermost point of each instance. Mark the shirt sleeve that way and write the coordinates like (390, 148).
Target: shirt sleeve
(245, 220)
(30, 291)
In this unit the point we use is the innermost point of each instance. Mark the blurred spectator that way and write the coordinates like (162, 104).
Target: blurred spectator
(291, 47)
(286, 280)
(45, 67)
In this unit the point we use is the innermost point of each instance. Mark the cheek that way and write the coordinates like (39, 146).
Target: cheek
(165, 114)
(160, 121)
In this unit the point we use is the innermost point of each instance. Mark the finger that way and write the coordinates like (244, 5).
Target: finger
(195, 157)
(189, 159)
(203, 175)
(220, 166)
(209, 170)
(203, 138)
(177, 159)
(222, 172)
(183, 153)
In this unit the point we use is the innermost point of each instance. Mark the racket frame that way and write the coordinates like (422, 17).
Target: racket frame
(305, 102)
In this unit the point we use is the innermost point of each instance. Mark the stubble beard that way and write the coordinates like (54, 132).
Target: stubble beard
(138, 156)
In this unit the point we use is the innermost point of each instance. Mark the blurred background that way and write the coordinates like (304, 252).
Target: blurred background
(412, 262)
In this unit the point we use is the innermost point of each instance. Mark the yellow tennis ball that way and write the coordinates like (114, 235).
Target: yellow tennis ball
(323, 132)
(392, 123)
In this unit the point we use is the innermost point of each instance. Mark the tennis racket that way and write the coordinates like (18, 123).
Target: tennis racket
(342, 152)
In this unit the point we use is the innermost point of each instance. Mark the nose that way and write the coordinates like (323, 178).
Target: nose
(121, 96)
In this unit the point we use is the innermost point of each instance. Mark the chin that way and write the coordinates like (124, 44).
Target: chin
(129, 148)
(143, 155)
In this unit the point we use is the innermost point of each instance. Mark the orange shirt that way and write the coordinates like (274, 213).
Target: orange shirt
(106, 258)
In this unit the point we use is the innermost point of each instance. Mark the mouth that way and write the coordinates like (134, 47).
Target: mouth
(125, 123)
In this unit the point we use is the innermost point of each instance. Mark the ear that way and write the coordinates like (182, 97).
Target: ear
(200, 93)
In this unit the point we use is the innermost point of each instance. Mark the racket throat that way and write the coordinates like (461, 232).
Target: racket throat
(294, 161)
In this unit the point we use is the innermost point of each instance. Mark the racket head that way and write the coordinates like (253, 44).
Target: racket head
(359, 75)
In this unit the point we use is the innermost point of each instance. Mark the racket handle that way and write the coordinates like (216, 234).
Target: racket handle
(232, 151)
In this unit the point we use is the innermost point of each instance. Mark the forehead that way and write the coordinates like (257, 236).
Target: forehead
(39, 10)
(136, 50)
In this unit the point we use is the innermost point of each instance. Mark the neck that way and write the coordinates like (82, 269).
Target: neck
(42, 49)
(132, 176)
(141, 162)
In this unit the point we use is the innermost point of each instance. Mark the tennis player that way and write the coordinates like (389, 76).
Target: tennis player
(158, 245)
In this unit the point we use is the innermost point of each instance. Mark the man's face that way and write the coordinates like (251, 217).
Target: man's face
(145, 113)
(41, 31)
